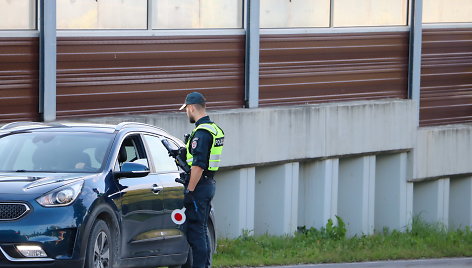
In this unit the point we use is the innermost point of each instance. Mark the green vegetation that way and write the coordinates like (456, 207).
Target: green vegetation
(330, 245)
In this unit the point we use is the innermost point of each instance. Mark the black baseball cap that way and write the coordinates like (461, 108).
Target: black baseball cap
(193, 98)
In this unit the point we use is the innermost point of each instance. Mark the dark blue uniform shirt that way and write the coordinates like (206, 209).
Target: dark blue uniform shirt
(200, 146)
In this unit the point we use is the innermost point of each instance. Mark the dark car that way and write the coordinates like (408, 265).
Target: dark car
(85, 195)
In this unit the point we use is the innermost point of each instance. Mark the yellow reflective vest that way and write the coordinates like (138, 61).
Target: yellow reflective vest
(216, 147)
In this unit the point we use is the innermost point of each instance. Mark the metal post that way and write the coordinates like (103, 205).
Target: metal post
(150, 14)
(47, 60)
(331, 13)
(252, 54)
(414, 67)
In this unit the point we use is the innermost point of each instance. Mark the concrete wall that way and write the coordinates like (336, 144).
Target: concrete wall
(443, 151)
(283, 134)
(368, 162)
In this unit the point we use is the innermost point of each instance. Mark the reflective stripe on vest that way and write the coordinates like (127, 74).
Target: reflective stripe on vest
(216, 146)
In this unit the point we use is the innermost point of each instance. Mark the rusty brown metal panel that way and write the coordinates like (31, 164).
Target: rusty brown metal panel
(19, 65)
(314, 68)
(116, 75)
(446, 77)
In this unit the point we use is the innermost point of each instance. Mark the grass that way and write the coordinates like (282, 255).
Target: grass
(330, 245)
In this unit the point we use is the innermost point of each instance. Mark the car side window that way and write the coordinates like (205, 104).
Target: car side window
(160, 157)
(131, 150)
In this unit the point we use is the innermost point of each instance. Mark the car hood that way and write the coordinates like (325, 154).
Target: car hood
(24, 183)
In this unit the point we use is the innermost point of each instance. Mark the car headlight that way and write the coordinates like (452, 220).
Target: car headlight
(63, 196)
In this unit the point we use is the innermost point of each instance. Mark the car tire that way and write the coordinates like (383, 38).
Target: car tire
(99, 246)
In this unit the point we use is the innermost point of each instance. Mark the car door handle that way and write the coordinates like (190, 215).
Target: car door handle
(156, 188)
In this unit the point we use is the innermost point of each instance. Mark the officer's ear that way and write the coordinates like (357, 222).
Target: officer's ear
(190, 108)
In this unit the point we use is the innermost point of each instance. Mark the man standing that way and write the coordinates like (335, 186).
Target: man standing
(204, 147)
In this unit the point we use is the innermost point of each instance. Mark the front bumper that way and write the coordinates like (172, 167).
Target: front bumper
(53, 229)
(5, 263)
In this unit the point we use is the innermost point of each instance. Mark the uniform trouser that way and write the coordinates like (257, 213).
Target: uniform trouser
(197, 219)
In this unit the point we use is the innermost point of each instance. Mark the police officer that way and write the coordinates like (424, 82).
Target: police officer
(204, 147)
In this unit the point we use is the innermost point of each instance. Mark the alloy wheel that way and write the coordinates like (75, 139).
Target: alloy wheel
(101, 251)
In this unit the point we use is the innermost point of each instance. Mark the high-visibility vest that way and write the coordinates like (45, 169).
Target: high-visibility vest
(216, 147)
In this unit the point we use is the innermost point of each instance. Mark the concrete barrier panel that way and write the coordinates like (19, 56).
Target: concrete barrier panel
(443, 151)
(318, 193)
(356, 194)
(393, 193)
(460, 205)
(234, 202)
(431, 201)
(276, 199)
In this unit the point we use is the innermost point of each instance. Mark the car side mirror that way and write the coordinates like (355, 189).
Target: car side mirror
(131, 170)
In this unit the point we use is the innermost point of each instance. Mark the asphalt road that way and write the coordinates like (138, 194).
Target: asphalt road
(427, 263)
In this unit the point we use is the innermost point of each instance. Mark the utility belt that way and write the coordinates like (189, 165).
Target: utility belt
(207, 178)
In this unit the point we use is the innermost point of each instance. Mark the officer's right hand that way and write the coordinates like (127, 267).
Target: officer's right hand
(188, 199)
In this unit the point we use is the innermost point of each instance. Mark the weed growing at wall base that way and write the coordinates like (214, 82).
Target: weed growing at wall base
(330, 245)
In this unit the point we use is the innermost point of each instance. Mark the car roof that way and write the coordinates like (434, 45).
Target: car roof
(80, 127)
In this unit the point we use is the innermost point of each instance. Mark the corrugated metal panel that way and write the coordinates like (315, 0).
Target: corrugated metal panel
(19, 65)
(298, 69)
(446, 79)
(114, 75)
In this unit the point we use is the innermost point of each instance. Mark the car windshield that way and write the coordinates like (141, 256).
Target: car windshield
(62, 152)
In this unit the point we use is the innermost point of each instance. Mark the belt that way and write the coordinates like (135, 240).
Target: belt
(206, 179)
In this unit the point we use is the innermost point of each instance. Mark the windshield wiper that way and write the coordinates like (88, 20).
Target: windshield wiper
(34, 171)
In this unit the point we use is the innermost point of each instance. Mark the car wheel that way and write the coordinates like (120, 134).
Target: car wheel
(99, 247)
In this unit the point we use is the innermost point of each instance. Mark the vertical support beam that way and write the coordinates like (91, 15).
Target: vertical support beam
(252, 54)
(414, 66)
(318, 193)
(150, 14)
(460, 206)
(234, 202)
(431, 201)
(34, 24)
(393, 193)
(47, 60)
(276, 199)
(331, 13)
(356, 194)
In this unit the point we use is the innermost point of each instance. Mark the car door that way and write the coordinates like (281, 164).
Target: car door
(142, 208)
(166, 171)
